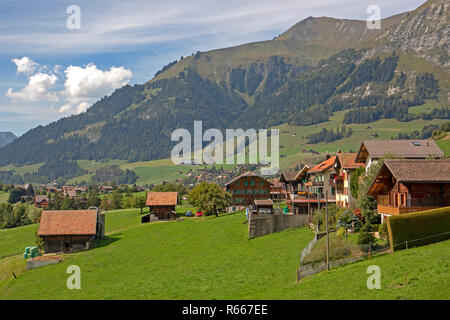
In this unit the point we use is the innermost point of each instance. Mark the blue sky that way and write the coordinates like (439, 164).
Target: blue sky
(49, 71)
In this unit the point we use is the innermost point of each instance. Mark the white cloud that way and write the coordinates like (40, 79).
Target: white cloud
(25, 65)
(82, 85)
(37, 89)
(85, 84)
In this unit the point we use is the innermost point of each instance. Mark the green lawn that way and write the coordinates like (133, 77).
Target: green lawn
(14, 241)
(211, 258)
(198, 258)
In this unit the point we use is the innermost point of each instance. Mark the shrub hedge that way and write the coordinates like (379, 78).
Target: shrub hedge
(433, 225)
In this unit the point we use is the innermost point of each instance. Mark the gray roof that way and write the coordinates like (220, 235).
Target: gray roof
(401, 149)
(247, 174)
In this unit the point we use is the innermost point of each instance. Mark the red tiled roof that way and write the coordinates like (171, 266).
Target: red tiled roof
(68, 222)
(321, 167)
(162, 198)
(347, 161)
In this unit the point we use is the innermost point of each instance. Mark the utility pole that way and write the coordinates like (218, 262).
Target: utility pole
(328, 238)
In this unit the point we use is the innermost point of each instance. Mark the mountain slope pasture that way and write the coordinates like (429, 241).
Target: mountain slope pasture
(4, 196)
(198, 258)
(13, 241)
(303, 77)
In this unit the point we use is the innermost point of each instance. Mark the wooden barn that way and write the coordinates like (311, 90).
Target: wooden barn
(404, 186)
(247, 188)
(71, 230)
(162, 204)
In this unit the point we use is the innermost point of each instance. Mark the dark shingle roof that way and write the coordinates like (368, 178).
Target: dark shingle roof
(401, 149)
(247, 174)
(432, 170)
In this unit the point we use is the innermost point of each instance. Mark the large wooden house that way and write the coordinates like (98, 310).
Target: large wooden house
(163, 204)
(71, 230)
(404, 186)
(247, 188)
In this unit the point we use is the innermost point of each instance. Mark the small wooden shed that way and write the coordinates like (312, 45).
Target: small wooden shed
(163, 204)
(264, 206)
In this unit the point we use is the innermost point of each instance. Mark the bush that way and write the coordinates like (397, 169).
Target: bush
(383, 231)
(433, 225)
(365, 235)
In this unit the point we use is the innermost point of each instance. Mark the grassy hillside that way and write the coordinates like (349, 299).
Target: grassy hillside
(14, 241)
(211, 258)
(4, 196)
(292, 142)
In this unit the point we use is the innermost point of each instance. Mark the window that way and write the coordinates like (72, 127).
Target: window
(252, 183)
(245, 183)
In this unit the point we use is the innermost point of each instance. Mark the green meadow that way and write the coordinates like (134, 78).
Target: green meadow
(211, 258)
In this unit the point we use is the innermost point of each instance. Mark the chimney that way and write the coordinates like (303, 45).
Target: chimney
(339, 151)
(328, 155)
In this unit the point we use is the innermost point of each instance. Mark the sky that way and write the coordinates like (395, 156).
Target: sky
(58, 57)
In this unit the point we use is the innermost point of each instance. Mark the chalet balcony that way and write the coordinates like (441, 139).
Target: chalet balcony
(395, 211)
(314, 184)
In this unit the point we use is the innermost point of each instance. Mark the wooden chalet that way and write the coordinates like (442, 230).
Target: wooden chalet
(41, 201)
(247, 188)
(163, 204)
(71, 230)
(404, 186)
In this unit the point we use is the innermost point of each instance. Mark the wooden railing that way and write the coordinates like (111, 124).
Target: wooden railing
(385, 209)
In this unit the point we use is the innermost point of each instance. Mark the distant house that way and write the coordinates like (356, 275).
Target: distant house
(290, 184)
(41, 201)
(372, 150)
(162, 204)
(106, 189)
(404, 186)
(344, 166)
(276, 190)
(319, 177)
(247, 188)
(69, 192)
(71, 230)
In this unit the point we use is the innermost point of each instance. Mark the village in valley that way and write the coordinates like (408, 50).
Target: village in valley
(306, 164)
(364, 203)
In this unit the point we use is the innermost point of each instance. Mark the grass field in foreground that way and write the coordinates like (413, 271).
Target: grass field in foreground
(211, 258)
(14, 241)
(198, 258)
